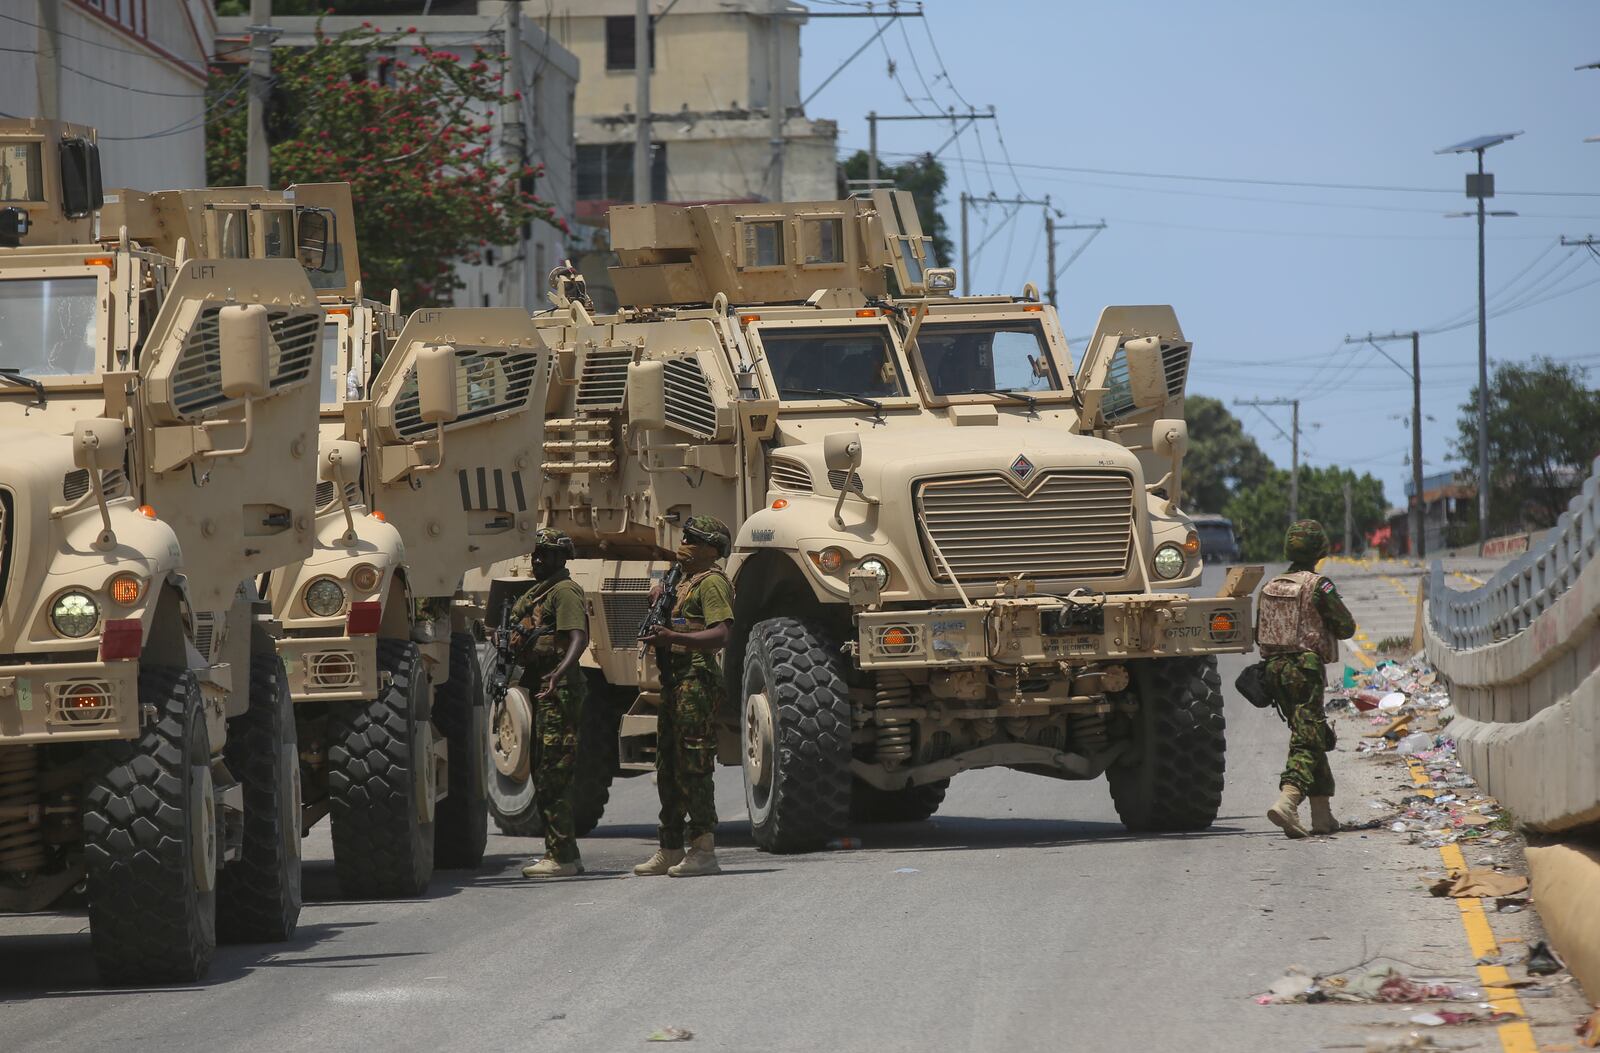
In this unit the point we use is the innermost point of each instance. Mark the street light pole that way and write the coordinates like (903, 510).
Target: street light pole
(1294, 446)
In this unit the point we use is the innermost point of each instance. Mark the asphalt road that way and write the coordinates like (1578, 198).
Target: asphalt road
(1022, 917)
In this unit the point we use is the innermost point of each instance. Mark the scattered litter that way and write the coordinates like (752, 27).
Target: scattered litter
(671, 1034)
(1446, 1017)
(1382, 984)
(1478, 884)
(1416, 742)
(907, 870)
(1542, 961)
(1293, 986)
(1400, 1043)
(841, 843)
(1391, 702)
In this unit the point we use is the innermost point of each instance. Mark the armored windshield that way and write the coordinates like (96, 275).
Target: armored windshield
(851, 362)
(331, 362)
(976, 357)
(48, 325)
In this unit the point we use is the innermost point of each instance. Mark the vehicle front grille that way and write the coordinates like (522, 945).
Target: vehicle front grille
(1066, 525)
(626, 601)
(789, 475)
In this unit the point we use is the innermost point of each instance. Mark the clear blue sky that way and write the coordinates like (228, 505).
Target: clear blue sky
(1268, 280)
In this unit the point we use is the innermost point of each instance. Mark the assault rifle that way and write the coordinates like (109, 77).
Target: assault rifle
(659, 616)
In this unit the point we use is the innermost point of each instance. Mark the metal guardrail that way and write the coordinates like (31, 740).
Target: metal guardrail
(1525, 588)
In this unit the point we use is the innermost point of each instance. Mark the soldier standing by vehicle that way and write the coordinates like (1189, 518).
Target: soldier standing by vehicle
(1300, 621)
(686, 742)
(550, 628)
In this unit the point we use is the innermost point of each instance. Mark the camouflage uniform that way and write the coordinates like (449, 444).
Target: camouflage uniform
(554, 605)
(1296, 679)
(686, 741)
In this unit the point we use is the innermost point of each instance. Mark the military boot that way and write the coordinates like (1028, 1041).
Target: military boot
(1285, 814)
(548, 867)
(1322, 820)
(700, 859)
(660, 863)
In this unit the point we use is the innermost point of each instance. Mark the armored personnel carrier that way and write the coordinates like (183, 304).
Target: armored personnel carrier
(428, 436)
(955, 546)
(159, 418)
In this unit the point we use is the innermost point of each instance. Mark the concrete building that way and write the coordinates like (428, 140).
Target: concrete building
(547, 74)
(711, 87)
(133, 69)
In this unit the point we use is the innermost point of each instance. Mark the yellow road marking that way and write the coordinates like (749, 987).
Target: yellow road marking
(1516, 1036)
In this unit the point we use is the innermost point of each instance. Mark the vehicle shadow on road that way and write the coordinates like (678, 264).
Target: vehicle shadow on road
(953, 833)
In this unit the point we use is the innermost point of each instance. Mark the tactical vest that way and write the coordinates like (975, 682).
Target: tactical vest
(688, 625)
(1287, 619)
(546, 644)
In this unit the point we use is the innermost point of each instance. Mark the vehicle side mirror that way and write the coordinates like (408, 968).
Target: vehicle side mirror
(437, 384)
(245, 340)
(841, 451)
(98, 443)
(1147, 379)
(647, 396)
(1169, 438)
(339, 462)
(313, 234)
(81, 190)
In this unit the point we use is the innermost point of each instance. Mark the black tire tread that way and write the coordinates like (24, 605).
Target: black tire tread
(1174, 783)
(461, 820)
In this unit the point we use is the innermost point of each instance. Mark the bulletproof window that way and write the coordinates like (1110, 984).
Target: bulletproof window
(622, 52)
(277, 233)
(605, 171)
(763, 243)
(233, 234)
(21, 174)
(1119, 387)
(963, 358)
(821, 241)
(806, 362)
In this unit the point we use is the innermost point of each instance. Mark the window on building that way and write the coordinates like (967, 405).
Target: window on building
(621, 49)
(605, 172)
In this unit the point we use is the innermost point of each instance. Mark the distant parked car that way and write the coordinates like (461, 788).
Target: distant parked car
(1217, 542)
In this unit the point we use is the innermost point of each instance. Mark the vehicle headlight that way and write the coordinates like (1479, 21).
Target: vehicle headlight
(1169, 561)
(877, 568)
(74, 614)
(365, 577)
(324, 597)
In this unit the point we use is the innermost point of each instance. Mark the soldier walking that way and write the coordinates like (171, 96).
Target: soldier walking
(686, 742)
(1299, 622)
(550, 629)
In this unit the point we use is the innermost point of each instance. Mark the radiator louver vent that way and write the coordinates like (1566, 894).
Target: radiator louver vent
(487, 382)
(115, 482)
(197, 380)
(688, 398)
(328, 496)
(604, 380)
(1175, 364)
(625, 601)
(787, 475)
(75, 484)
(837, 481)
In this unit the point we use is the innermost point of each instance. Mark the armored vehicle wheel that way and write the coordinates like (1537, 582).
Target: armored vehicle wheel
(868, 804)
(150, 841)
(258, 894)
(379, 755)
(515, 753)
(461, 820)
(1172, 778)
(795, 726)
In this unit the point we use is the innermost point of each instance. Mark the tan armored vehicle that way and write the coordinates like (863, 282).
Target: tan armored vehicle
(418, 484)
(955, 547)
(158, 415)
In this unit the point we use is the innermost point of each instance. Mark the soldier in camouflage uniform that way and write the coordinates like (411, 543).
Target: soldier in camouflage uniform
(550, 629)
(1299, 619)
(686, 741)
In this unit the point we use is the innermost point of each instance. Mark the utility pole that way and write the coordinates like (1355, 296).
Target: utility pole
(1050, 228)
(257, 163)
(643, 54)
(1347, 525)
(872, 146)
(968, 199)
(47, 67)
(1417, 517)
(775, 105)
(1481, 187)
(1050, 253)
(1294, 444)
(512, 143)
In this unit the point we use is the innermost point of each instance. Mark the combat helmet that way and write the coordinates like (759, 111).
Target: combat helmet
(1306, 542)
(709, 530)
(551, 538)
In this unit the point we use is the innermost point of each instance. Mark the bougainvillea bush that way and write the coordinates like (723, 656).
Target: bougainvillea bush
(409, 129)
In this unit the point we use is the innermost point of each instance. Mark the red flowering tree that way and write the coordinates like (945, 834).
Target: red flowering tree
(408, 129)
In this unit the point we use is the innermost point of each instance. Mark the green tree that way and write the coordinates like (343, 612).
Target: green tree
(925, 178)
(1221, 460)
(401, 131)
(1260, 513)
(1544, 432)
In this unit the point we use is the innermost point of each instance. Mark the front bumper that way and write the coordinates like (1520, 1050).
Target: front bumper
(1046, 630)
(68, 702)
(330, 668)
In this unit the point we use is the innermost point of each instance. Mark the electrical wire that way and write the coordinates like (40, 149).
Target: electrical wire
(144, 53)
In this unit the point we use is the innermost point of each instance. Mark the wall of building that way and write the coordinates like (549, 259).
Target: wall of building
(134, 71)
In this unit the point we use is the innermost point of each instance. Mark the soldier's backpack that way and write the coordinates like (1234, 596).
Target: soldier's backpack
(1287, 619)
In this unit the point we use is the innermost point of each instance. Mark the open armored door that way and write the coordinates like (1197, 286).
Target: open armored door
(1133, 374)
(234, 477)
(910, 251)
(464, 493)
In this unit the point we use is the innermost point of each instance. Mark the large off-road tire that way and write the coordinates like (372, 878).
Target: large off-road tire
(461, 820)
(151, 841)
(512, 804)
(868, 804)
(795, 726)
(258, 894)
(382, 849)
(1171, 780)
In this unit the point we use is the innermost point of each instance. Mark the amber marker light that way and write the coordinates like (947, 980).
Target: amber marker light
(746, 319)
(780, 504)
(147, 511)
(830, 559)
(108, 262)
(1191, 544)
(866, 312)
(379, 516)
(1034, 308)
(125, 589)
(895, 637)
(1222, 623)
